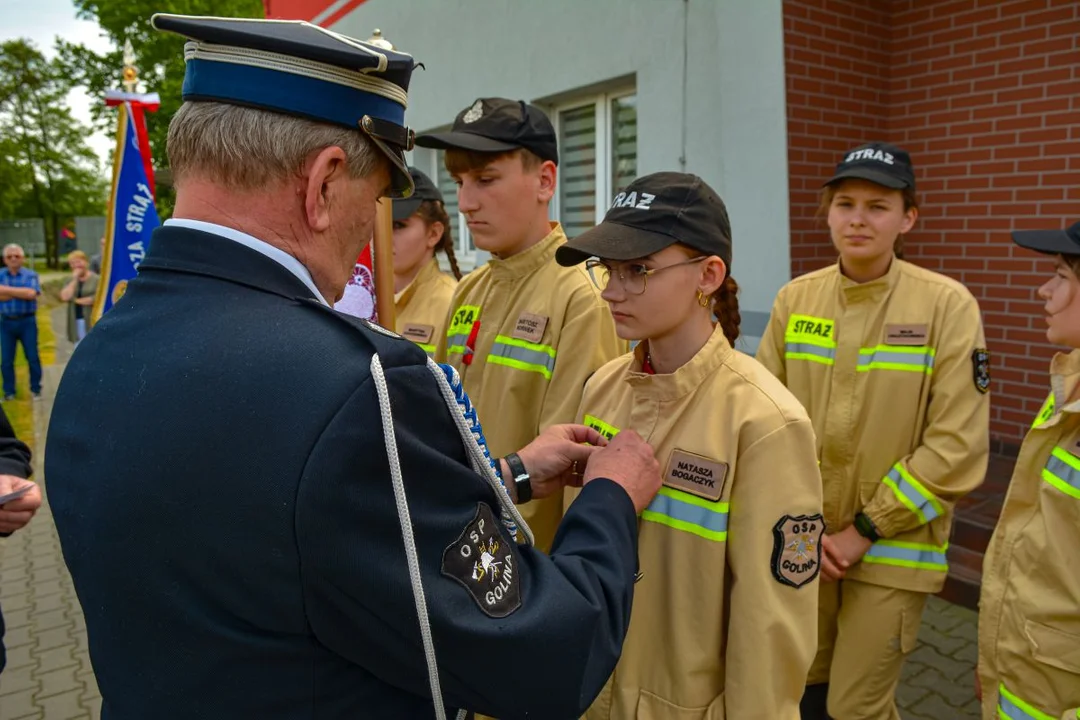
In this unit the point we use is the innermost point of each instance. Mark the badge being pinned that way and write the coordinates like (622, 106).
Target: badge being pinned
(980, 365)
(484, 563)
(796, 557)
(474, 113)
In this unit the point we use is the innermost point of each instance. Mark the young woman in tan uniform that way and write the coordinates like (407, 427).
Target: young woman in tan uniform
(1029, 612)
(889, 360)
(422, 292)
(724, 616)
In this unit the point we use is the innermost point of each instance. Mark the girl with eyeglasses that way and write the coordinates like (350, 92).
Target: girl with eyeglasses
(723, 620)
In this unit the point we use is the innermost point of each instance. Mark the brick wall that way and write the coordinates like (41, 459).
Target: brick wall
(986, 97)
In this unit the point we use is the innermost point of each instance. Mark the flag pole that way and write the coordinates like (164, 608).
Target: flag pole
(383, 240)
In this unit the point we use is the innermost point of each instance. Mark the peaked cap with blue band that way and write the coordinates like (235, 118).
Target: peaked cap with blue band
(296, 68)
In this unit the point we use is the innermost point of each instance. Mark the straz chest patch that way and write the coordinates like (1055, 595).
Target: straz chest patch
(980, 367)
(485, 564)
(905, 334)
(418, 333)
(530, 327)
(696, 475)
(796, 557)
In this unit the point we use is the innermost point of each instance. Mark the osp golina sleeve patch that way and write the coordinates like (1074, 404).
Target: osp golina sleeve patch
(485, 564)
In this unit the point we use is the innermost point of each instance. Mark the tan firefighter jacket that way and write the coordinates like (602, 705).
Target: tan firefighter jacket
(1029, 613)
(420, 309)
(724, 622)
(533, 331)
(895, 374)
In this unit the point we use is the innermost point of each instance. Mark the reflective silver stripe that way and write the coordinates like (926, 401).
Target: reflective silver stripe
(1013, 708)
(904, 554)
(923, 359)
(456, 343)
(918, 498)
(1063, 471)
(522, 354)
(798, 348)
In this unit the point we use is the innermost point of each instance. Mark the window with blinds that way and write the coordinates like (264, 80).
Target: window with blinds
(597, 158)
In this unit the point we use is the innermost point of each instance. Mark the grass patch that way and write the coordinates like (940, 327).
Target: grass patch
(20, 411)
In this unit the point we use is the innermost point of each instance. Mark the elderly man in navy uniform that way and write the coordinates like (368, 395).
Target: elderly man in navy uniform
(273, 510)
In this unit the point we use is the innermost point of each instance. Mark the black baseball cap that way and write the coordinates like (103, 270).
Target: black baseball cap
(1051, 242)
(424, 189)
(498, 125)
(879, 163)
(652, 213)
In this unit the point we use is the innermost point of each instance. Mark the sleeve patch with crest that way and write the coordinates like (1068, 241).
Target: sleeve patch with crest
(796, 557)
(980, 366)
(484, 563)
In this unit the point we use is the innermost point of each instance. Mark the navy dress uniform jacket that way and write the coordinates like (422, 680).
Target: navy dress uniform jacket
(221, 489)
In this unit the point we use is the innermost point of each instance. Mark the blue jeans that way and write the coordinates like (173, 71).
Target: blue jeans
(22, 330)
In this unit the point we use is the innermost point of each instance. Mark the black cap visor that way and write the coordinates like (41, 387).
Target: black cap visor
(871, 174)
(1051, 242)
(465, 141)
(405, 208)
(612, 241)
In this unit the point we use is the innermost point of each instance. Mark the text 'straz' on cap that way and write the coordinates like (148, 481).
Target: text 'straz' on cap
(880, 163)
(300, 69)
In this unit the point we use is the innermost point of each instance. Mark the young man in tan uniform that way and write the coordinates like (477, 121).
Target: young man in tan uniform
(523, 332)
(889, 360)
(1029, 613)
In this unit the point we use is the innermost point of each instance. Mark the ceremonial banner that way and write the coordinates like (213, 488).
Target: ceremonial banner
(359, 297)
(130, 219)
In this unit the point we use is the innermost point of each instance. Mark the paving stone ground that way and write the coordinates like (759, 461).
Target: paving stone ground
(49, 676)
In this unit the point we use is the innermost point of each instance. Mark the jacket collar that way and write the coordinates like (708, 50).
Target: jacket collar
(873, 291)
(524, 263)
(714, 353)
(183, 250)
(1064, 377)
(427, 273)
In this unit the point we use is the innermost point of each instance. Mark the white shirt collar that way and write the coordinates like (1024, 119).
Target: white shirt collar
(264, 248)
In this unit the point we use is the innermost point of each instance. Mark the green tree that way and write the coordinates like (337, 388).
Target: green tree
(159, 58)
(47, 170)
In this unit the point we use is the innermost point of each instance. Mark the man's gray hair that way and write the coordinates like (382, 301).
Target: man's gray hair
(14, 246)
(246, 148)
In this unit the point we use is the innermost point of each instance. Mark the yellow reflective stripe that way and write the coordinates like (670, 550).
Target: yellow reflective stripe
(608, 431)
(808, 357)
(1062, 471)
(900, 553)
(897, 357)
(459, 349)
(535, 347)
(1010, 707)
(519, 365)
(1045, 412)
(913, 494)
(688, 513)
(429, 349)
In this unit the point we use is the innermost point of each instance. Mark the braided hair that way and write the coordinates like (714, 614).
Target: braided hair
(432, 211)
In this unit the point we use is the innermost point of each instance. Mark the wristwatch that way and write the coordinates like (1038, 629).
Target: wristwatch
(522, 482)
(865, 527)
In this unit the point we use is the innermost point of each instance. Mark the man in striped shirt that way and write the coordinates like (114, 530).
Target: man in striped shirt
(19, 289)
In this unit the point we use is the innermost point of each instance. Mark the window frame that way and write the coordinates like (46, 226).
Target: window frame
(602, 107)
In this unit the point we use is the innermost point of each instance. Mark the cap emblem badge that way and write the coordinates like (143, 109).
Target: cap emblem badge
(474, 113)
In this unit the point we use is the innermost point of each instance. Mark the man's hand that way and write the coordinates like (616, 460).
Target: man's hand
(629, 461)
(841, 551)
(15, 514)
(557, 457)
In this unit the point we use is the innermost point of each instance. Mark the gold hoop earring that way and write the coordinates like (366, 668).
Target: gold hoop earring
(702, 299)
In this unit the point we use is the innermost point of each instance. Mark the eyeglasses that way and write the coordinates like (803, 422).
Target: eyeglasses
(634, 277)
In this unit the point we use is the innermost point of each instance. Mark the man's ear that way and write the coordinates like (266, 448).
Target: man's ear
(548, 174)
(323, 171)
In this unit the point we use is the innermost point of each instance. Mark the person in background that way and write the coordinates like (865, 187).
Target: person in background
(422, 292)
(95, 260)
(1029, 611)
(890, 362)
(523, 333)
(15, 512)
(19, 290)
(78, 293)
(735, 532)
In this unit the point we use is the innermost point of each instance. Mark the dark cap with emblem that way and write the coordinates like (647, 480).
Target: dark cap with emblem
(498, 125)
(1051, 242)
(653, 212)
(299, 69)
(880, 163)
(424, 189)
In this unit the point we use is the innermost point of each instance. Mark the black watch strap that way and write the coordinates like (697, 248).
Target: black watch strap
(520, 476)
(865, 527)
